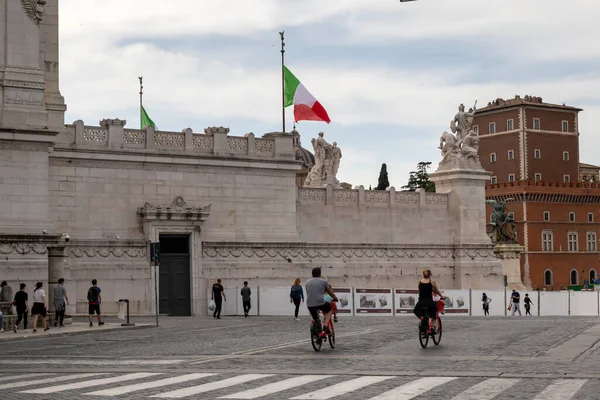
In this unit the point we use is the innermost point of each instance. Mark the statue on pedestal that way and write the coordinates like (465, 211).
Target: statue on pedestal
(503, 224)
(460, 150)
(327, 163)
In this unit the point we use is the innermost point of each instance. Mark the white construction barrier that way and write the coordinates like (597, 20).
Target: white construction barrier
(554, 303)
(405, 300)
(457, 301)
(276, 301)
(583, 303)
(345, 305)
(497, 307)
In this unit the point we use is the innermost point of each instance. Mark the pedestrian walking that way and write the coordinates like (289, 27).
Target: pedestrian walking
(246, 292)
(515, 298)
(20, 303)
(61, 300)
(296, 296)
(94, 297)
(527, 302)
(39, 307)
(486, 300)
(218, 295)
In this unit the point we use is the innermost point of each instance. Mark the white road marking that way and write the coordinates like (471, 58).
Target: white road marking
(561, 389)
(413, 389)
(94, 382)
(66, 361)
(48, 380)
(342, 388)
(16, 377)
(487, 389)
(148, 385)
(276, 387)
(207, 387)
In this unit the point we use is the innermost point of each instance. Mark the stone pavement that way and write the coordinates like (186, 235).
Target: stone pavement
(513, 357)
(69, 330)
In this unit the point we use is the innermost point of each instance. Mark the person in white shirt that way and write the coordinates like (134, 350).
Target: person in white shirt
(39, 306)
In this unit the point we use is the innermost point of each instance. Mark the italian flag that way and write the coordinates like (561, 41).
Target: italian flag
(306, 107)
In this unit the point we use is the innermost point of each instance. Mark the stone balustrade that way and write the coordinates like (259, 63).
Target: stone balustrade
(111, 134)
(371, 198)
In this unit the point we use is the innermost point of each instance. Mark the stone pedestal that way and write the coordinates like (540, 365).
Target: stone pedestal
(510, 255)
(475, 265)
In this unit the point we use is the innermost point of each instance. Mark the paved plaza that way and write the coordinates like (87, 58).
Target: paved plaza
(272, 358)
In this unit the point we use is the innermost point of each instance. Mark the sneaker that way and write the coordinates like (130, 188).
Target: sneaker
(34, 331)
(326, 331)
(91, 324)
(100, 323)
(26, 331)
(47, 329)
(62, 326)
(55, 324)
(1, 330)
(15, 329)
(334, 319)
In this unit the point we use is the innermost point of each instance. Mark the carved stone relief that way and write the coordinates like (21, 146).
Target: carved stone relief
(34, 9)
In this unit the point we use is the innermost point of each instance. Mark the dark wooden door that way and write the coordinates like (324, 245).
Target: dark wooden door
(174, 276)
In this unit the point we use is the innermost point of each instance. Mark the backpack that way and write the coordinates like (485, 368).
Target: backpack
(92, 295)
(295, 293)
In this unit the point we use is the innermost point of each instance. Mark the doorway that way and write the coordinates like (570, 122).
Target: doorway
(174, 275)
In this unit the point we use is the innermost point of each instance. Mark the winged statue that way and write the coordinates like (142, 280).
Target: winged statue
(34, 9)
(503, 224)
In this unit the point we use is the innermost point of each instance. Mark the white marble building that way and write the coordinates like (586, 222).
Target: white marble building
(221, 205)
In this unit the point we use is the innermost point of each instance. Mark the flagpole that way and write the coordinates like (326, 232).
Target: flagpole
(282, 81)
(141, 78)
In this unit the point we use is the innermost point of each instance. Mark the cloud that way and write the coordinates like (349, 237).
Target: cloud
(390, 74)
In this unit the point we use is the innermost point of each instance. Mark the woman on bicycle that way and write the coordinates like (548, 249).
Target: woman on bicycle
(427, 287)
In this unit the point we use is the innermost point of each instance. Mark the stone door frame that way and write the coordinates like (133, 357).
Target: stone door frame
(180, 219)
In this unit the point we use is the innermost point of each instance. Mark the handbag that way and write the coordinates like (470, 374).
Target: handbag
(211, 305)
(509, 307)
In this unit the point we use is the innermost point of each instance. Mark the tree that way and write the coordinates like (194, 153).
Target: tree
(420, 178)
(383, 182)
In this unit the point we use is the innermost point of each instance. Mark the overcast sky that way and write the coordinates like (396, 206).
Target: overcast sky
(389, 74)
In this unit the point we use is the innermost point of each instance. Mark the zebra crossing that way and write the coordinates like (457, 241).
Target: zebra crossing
(170, 385)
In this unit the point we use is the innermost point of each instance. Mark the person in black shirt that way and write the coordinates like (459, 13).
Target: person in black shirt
(528, 303)
(20, 302)
(218, 295)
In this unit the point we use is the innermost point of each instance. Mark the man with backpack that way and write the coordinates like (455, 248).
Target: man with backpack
(94, 299)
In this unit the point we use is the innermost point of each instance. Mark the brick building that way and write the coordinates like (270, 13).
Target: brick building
(525, 138)
(559, 226)
(532, 150)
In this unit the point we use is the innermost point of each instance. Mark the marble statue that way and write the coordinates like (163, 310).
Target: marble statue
(461, 146)
(34, 9)
(503, 224)
(327, 163)
(461, 124)
(470, 146)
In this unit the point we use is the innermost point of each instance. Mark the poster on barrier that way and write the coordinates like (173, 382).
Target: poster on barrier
(345, 303)
(457, 301)
(373, 301)
(406, 299)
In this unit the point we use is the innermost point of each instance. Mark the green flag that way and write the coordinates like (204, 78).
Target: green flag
(146, 121)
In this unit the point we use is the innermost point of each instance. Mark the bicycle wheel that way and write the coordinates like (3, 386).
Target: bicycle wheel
(315, 340)
(331, 336)
(437, 338)
(423, 336)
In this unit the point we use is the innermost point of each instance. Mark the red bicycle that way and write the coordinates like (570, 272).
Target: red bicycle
(317, 335)
(431, 327)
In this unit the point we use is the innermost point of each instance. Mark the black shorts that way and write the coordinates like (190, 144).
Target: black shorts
(325, 308)
(94, 308)
(38, 309)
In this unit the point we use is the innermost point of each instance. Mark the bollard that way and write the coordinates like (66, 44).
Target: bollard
(126, 302)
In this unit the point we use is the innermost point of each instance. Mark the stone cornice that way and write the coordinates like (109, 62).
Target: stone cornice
(178, 210)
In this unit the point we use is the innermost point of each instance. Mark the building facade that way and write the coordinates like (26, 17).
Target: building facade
(558, 224)
(525, 138)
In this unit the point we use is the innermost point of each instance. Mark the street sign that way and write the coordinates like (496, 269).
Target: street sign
(505, 281)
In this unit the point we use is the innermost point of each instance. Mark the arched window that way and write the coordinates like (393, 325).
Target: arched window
(574, 277)
(592, 275)
(548, 278)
